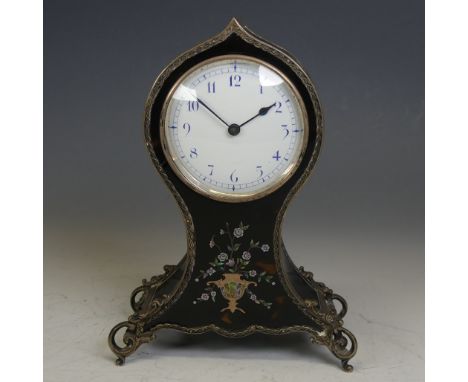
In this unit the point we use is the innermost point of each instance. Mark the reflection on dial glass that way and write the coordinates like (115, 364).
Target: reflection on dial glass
(234, 128)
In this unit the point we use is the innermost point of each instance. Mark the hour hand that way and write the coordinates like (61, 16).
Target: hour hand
(262, 111)
(211, 111)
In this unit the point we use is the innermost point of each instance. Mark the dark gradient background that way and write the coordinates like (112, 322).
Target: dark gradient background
(358, 223)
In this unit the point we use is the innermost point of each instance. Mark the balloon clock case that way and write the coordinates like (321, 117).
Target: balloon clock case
(234, 127)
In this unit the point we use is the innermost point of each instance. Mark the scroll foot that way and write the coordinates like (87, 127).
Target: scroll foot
(346, 367)
(120, 361)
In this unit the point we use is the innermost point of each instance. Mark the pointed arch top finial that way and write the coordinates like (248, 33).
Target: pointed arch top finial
(234, 26)
(235, 22)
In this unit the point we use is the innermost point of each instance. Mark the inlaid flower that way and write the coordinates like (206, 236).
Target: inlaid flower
(233, 268)
(223, 256)
(238, 232)
(265, 247)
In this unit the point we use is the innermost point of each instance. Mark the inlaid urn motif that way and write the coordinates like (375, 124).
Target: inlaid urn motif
(236, 268)
(232, 288)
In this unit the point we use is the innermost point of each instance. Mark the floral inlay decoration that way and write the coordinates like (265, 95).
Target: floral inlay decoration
(232, 271)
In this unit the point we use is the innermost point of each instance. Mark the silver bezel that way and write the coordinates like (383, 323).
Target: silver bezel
(194, 183)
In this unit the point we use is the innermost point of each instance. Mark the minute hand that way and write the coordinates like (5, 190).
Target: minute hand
(262, 111)
(211, 111)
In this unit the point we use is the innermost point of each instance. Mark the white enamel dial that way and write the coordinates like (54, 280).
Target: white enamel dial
(234, 128)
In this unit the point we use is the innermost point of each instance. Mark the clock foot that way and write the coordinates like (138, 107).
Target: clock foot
(120, 361)
(146, 301)
(346, 366)
(340, 341)
(132, 338)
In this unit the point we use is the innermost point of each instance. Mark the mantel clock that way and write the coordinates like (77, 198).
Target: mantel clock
(234, 127)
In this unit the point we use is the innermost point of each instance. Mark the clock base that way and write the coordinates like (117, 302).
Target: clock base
(147, 301)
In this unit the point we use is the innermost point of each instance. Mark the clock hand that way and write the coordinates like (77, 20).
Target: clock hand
(211, 111)
(262, 111)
